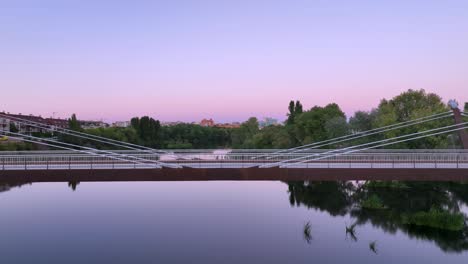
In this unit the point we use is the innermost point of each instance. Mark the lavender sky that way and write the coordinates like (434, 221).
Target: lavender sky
(228, 60)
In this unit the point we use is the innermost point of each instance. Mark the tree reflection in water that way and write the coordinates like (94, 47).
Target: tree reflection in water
(423, 210)
(73, 184)
(7, 186)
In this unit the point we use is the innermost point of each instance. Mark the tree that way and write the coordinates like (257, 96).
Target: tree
(74, 124)
(410, 105)
(298, 108)
(311, 126)
(271, 137)
(362, 121)
(135, 123)
(127, 134)
(291, 113)
(336, 127)
(148, 130)
(466, 107)
(294, 110)
(242, 137)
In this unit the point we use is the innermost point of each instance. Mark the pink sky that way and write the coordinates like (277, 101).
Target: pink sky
(227, 61)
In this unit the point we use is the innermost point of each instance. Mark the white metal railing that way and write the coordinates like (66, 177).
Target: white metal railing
(372, 159)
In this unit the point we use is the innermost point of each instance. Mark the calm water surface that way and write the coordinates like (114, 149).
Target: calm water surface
(227, 222)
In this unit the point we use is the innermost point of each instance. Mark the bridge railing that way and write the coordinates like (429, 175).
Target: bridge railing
(218, 151)
(392, 159)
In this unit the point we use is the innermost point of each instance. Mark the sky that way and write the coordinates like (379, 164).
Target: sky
(226, 60)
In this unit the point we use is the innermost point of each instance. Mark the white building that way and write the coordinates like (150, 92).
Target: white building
(92, 124)
(4, 124)
(121, 124)
(268, 121)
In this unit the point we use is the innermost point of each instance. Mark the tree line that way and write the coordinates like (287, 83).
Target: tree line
(327, 122)
(302, 126)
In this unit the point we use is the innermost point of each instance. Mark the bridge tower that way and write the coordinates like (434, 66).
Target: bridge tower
(458, 120)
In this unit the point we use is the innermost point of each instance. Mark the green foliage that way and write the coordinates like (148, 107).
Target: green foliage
(179, 145)
(128, 134)
(466, 107)
(16, 146)
(147, 129)
(362, 121)
(386, 184)
(294, 110)
(410, 105)
(194, 136)
(409, 210)
(242, 137)
(336, 127)
(319, 124)
(436, 218)
(272, 137)
(373, 202)
(73, 123)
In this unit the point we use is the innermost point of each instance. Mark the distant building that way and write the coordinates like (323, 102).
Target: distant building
(229, 125)
(268, 121)
(7, 123)
(171, 123)
(4, 124)
(207, 122)
(57, 123)
(19, 120)
(92, 124)
(121, 124)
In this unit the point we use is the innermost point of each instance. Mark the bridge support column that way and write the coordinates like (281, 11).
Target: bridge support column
(461, 133)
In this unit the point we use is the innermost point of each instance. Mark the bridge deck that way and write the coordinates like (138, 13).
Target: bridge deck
(235, 174)
(219, 165)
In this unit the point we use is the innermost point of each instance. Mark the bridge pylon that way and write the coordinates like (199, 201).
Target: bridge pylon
(458, 120)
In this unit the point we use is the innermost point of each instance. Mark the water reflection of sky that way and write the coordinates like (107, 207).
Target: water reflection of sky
(188, 222)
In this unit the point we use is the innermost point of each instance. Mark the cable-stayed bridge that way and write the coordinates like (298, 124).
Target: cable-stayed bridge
(312, 161)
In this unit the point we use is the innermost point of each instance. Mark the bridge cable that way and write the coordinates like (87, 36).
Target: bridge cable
(46, 127)
(381, 145)
(361, 134)
(57, 144)
(361, 145)
(70, 149)
(83, 135)
(109, 154)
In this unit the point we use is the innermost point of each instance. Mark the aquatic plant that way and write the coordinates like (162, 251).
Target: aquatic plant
(307, 233)
(73, 184)
(373, 202)
(436, 218)
(373, 246)
(351, 231)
